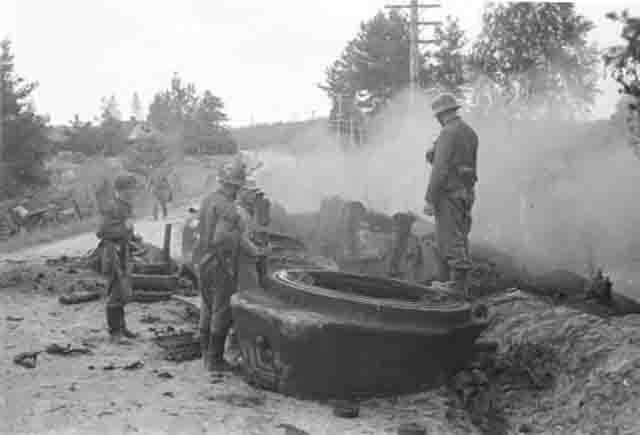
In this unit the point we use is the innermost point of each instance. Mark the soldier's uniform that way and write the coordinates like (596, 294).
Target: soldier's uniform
(222, 237)
(451, 191)
(115, 232)
(162, 195)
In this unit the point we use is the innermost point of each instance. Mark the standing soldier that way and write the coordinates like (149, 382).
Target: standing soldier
(116, 230)
(222, 237)
(450, 194)
(246, 202)
(162, 194)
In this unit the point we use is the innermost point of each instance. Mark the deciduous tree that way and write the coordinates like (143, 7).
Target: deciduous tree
(538, 56)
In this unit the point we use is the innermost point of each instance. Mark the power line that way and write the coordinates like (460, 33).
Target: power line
(414, 36)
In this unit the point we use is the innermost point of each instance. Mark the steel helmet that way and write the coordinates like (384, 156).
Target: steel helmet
(234, 173)
(443, 103)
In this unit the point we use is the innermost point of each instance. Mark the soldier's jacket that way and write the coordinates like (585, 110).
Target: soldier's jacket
(220, 226)
(454, 160)
(161, 188)
(113, 219)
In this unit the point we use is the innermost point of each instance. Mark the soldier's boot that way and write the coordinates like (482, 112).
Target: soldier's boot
(125, 332)
(214, 361)
(233, 347)
(114, 323)
(204, 343)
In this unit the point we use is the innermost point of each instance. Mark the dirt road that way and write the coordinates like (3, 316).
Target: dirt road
(558, 371)
(76, 394)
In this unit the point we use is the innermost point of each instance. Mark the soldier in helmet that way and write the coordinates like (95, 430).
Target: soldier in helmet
(450, 194)
(222, 238)
(161, 189)
(116, 230)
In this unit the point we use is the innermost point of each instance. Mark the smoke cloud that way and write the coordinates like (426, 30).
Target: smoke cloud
(560, 192)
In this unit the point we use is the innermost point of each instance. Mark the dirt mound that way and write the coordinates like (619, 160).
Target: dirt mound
(558, 370)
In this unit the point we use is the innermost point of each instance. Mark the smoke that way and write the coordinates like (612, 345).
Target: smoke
(561, 192)
(388, 175)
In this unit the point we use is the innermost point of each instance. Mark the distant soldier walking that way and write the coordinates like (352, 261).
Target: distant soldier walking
(162, 193)
(116, 230)
(450, 195)
(222, 237)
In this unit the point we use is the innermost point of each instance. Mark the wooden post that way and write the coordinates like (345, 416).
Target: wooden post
(167, 245)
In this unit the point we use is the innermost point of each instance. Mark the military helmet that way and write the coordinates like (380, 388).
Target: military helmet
(234, 173)
(443, 103)
(125, 182)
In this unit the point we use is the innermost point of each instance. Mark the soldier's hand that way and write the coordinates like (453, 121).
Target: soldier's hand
(428, 209)
(429, 156)
(265, 251)
(129, 224)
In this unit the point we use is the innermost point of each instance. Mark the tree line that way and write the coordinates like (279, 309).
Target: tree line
(180, 120)
(531, 60)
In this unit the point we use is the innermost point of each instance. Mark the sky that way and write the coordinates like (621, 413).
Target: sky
(264, 59)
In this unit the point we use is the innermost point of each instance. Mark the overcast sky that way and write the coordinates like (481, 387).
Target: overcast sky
(264, 59)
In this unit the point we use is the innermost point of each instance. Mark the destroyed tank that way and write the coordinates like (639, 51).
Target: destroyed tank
(327, 334)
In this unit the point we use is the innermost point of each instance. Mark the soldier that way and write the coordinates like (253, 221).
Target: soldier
(222, 237)
(116, 230)
(161, 189)
(450, 195)
(246, 202)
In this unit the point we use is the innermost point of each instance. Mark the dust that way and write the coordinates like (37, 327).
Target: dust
(558, 191)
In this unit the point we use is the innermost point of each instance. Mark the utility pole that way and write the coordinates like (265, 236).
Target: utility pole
(414, 37)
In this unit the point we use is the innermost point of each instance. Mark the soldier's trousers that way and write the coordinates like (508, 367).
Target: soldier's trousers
(453, 225)
(218, 283)
(157, 204)
(119, 289)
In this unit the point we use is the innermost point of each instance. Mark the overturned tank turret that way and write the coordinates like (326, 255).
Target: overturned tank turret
(326, 334)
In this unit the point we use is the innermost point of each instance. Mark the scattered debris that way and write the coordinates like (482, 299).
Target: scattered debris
(79, 297)
(168, 394)
(26, 359)
(292, 430)
(179, 347)
(411, 429)
(134, 365)
(239, 400)
(150, 318)
(57, 349)
(344, 409)
(165, 375)
(57, 408)
(131, 366)
(151, 296)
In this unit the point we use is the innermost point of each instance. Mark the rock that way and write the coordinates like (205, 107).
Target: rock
(15, 319)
